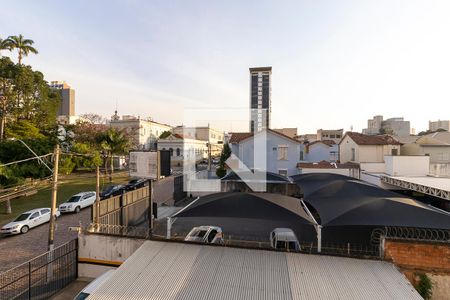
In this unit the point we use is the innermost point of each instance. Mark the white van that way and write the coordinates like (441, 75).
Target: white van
(284, 238)
(94, 285)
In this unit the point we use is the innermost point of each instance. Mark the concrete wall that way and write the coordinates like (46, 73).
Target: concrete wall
(379, 167)
(163, 191)
(440, 170)
(103, 249)
(407, 165)
(346, 172)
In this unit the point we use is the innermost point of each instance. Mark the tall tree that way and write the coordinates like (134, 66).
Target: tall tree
(4, 45)
(23, 46)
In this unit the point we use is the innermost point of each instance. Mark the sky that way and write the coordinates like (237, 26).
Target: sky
(335, 63)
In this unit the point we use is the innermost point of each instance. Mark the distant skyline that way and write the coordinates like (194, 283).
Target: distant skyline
(336, 64)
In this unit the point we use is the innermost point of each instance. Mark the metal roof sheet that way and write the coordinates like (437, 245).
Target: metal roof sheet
(166, 270)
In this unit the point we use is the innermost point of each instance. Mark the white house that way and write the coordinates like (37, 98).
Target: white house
(361, 148)
(326, 150)
(181, 147)
(282, 152)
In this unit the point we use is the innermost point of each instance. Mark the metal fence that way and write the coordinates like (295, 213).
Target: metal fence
(416, 234)
(43, 276)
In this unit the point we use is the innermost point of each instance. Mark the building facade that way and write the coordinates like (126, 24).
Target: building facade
(326, 150)
(145, 133)
(334, 135)
(290, 132)
(67, 105)
(395, 126)
(282, 152)
(439, 124)
(361, 148)
(260, 98)
(181, 148)
(205, 133)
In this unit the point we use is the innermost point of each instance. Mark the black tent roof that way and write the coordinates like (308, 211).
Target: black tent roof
(343, 201)
(262, 206)
(270, 177)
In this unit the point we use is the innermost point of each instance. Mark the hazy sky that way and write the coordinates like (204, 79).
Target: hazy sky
(335, 63)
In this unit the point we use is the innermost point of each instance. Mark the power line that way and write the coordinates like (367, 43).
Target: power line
(24, 160)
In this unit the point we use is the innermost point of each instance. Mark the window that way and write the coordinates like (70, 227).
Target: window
(178, 151)
(394, 151)
(282, 172)
(282, 152)
(45, 211)
(353, 154)
(34, 216)
(171, 151)
(301, 155)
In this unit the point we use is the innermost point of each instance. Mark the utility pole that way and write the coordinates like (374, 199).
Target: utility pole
(97, 196)
(51, 231)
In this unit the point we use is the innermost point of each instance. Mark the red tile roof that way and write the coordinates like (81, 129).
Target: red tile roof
(237, 137)
(364, 139)
(326, 165)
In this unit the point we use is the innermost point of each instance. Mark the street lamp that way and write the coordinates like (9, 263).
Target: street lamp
(34, 153)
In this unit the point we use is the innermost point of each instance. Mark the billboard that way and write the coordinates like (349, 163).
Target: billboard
(144, 164)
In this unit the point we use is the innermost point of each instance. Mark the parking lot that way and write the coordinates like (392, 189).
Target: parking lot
(18, 249)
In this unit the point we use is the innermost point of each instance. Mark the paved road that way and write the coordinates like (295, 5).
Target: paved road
(18, 249)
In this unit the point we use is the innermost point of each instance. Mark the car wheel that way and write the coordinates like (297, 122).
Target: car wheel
(77, 209)
(24, 229)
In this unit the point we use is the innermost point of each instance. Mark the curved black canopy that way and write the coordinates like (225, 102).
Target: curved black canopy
(343, 201)
(261, 206)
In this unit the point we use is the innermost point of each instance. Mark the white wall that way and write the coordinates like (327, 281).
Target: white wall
(103, 248)
(407, 165)
(345, 172)
(373, 167)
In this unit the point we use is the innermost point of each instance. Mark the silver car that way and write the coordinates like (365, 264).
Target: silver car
(205, 234)
(28, 220)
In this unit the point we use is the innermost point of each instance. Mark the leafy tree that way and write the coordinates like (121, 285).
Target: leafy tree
(24, 129)
(221, 168)
(386, 130)
(165, 134)
(4, 45)
(23, 46)
(113, 142)
(93, 118)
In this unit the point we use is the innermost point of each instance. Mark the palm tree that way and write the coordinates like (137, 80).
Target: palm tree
(4, 45)
(113, 142)
(22, 45)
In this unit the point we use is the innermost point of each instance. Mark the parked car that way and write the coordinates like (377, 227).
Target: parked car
(136, 183)
(78, 202)
(28, 220)
(284, 238)
(112, 190)
(205, 234)
(94, 285)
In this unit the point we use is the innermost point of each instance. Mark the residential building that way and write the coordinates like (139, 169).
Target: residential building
(395, 126)
(260, 98)
(439, 124)
(435, 145)
(145, 132)
(330, 134)
(282, 152)
(182, 147)
(361, 148)
(290, 132)
(67, 105)
(205, 133)
(307, 137)
(326, 150)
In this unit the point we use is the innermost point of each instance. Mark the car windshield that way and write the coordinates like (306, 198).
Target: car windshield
(133, 181)
(108, 189)
(200, 233)
(74, 199)
(22, 217)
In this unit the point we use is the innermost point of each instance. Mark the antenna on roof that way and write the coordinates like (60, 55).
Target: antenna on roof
(351, 127)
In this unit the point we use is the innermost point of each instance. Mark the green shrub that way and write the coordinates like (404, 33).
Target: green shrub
(425, 286)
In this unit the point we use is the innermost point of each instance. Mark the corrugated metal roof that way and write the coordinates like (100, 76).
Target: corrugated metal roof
(160, 270)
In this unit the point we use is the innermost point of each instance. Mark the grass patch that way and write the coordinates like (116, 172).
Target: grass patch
(67, 187)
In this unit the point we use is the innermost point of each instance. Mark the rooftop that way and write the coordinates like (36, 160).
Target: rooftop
(364, 139)
(237, 137)
(163, 270)
(261, 69)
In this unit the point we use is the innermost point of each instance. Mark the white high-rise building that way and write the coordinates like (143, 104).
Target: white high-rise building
(260, 98)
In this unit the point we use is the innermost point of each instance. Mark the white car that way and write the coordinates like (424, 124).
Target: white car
(28, 220)
(205, 234)
(77, 202)
(284, 238)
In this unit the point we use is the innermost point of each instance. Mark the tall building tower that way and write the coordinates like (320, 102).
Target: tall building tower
(260, 98)
(67, 105)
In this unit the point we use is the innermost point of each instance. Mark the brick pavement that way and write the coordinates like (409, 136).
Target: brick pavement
(18, 249)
